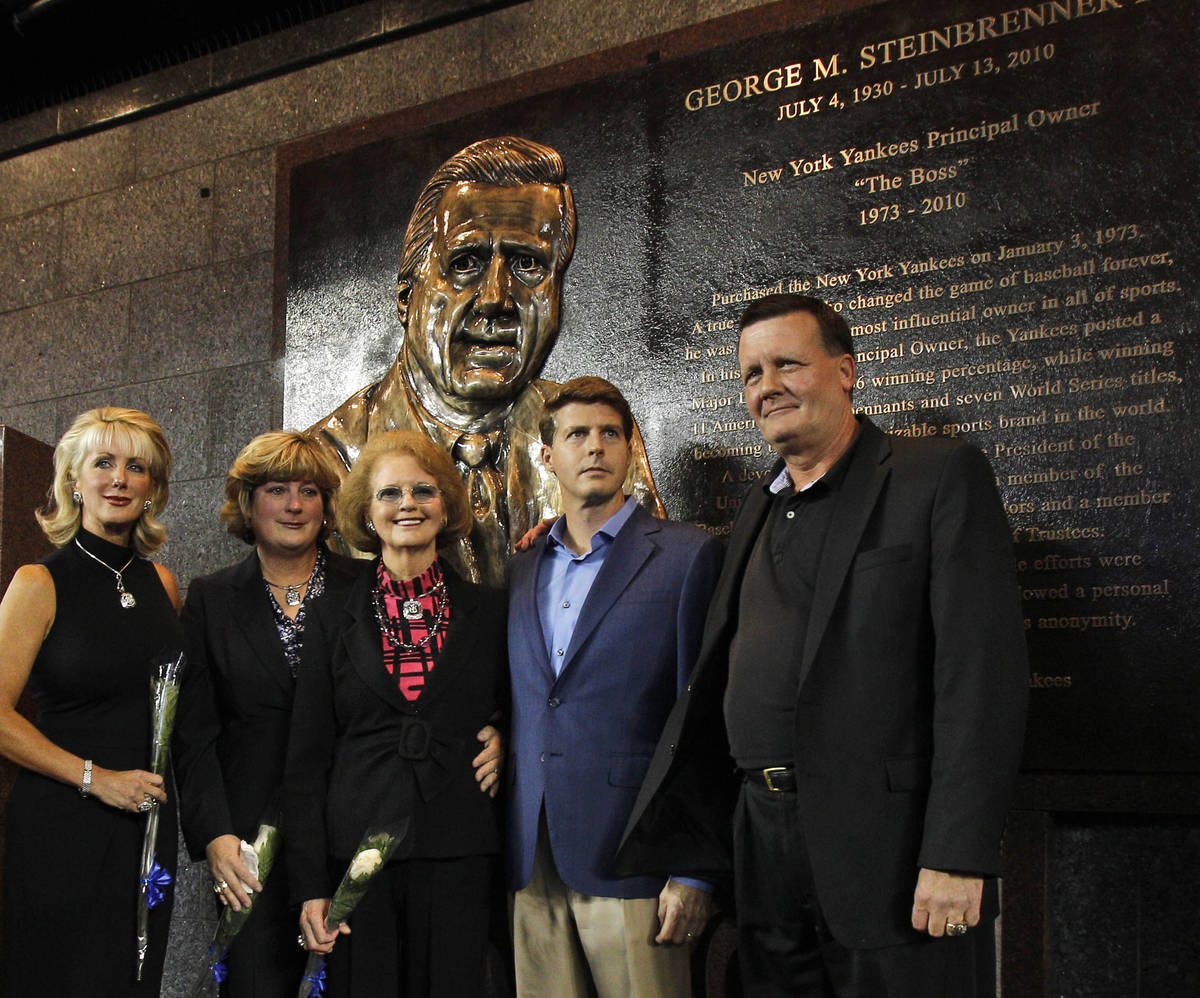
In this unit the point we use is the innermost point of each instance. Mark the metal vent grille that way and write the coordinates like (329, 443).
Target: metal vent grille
(56, 51)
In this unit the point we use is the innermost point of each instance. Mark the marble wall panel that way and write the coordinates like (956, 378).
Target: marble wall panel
(1170, 946)
(1117, 888)
(244, 205)
(186, 947)
(407, 13)
(29, 129)
(37, 419)
(138, 231)
(65, 347)
(65, 171)
(196, 320)
(29, 245)
(533, 35)
(173, 83)
(243, 402)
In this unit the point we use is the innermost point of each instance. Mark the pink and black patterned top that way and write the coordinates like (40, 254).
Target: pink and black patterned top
(413, 616)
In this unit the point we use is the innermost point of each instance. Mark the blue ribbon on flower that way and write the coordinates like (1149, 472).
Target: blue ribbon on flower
(154, 884)
(317, 981)
(219, 971)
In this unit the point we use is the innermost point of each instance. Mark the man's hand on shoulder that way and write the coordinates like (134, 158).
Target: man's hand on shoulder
(945, 898)
(683, 911)
(525, 541)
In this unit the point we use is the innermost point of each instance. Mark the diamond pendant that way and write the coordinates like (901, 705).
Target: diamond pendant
(412, 609)
(127, 601)
(293, 596)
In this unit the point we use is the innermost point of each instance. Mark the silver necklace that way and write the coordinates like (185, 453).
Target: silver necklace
(292, 594)
(127, 600)
(389, 627)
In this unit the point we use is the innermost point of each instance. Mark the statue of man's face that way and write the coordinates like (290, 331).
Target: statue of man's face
(484, 306)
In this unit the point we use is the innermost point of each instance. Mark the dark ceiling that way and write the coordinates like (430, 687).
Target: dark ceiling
(54, 51)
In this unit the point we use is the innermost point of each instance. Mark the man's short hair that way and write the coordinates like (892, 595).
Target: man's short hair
(589, 391)
(835, 334)
(505, 161)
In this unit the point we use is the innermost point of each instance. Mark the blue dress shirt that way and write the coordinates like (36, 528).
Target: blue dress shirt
(565, 579)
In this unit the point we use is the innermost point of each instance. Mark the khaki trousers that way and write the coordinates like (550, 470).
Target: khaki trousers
(573, 945)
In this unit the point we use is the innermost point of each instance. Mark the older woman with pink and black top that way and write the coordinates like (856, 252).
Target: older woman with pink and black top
(388, 728)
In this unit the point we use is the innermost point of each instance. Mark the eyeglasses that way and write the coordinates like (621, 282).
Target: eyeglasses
(393, 495)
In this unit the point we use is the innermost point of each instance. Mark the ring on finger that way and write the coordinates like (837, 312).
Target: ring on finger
(145, 805)
(956, 928)
(300, 940)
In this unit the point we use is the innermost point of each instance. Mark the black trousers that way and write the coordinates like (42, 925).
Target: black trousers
(785, 948)
(421, 931)
(264, 961)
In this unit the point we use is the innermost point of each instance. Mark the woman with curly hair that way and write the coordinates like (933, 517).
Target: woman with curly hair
(387, 728)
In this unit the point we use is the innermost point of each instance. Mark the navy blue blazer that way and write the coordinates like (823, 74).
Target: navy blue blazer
(582, 741)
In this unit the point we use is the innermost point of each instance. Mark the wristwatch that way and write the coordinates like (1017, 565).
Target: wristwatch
(85, 790)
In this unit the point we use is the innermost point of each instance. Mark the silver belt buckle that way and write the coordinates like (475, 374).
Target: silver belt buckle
(770, 782)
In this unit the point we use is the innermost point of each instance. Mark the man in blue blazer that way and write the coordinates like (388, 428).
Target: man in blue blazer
(605, 619)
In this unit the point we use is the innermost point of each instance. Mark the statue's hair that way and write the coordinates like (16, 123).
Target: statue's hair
(505, 161)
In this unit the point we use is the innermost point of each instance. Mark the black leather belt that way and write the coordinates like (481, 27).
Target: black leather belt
(777, 779)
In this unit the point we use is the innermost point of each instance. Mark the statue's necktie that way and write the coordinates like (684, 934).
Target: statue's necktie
(485, 490)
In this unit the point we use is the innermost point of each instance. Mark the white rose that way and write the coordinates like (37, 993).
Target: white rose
(264, 832)
(365, 863)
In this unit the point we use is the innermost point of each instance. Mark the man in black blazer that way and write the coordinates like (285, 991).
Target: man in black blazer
(865, 654)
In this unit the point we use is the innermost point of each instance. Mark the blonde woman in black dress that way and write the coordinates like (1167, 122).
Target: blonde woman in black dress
(82, 628)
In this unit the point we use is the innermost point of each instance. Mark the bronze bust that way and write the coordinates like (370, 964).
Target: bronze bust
(479, 294)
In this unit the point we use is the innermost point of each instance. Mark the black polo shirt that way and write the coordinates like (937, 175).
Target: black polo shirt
(773, 609)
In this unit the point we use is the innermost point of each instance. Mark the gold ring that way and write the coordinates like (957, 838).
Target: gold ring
(956, 928)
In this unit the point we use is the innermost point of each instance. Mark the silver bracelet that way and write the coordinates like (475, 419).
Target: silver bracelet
(85, 789)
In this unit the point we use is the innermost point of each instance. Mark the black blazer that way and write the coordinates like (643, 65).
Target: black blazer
(912, 696)
(235, 706)
(361, 755)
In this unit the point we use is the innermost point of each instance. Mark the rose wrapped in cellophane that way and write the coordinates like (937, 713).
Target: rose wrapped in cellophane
(153, 879)
(260, 858)
(369, 858)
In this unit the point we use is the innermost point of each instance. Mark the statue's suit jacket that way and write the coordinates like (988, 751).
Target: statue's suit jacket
(530, 491)
(581, 741)
(911, 701)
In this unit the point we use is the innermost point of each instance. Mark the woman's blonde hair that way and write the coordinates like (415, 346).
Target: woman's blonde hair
(356, 491)
(128, 429)
(277, 456)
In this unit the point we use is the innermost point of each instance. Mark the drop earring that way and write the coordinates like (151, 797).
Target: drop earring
(146, 506)
(370, 527)
(76, 497)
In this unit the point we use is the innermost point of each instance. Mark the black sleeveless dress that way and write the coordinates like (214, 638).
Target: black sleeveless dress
(71, 864)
